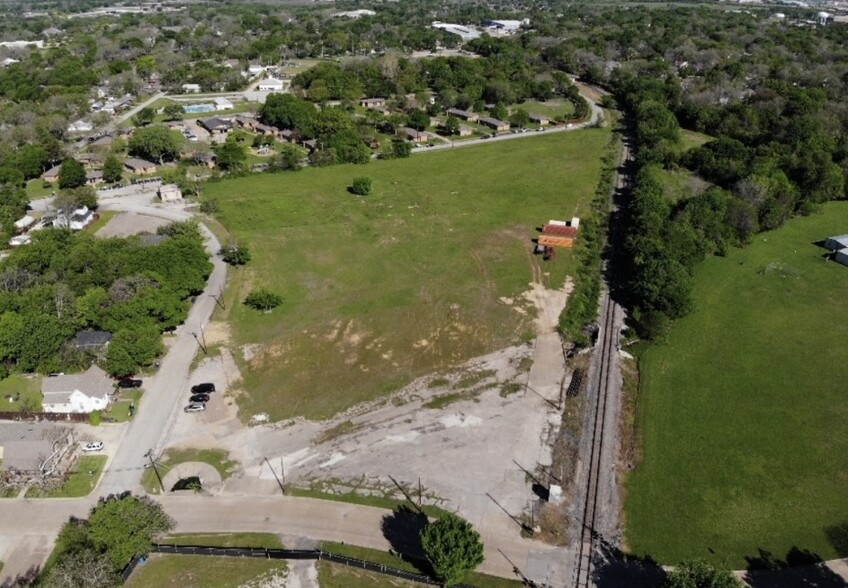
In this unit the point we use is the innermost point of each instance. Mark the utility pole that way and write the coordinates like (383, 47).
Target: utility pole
(149, 455)
(199, 342)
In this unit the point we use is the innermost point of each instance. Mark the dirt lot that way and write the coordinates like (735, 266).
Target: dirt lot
(130, 223)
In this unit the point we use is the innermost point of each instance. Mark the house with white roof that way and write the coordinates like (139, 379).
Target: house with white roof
(81, 393)
(271, 85)
(223, 104)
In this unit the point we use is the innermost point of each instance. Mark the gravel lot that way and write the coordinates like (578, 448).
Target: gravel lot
(125, 224)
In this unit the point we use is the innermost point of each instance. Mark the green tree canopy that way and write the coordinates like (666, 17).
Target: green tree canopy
(453, 547)
(156, 143)
(122, 528)
(112, 170)
(263, 299)
(700, 574)
(231, 156)
(71, 174)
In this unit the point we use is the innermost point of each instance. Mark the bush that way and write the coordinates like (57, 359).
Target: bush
(263, 300)
(452, 547)
(235, 255)
(361, 186)
(95, 417)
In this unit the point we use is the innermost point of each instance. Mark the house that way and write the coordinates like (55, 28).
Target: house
(254, 69)
(465, 131)
(52, 174)
(22, 224)
(32, 450)
(83, 392)
(92, 340)
(76, 220)
(80, 126)
(540, 120)
(265, 129)
(216, 126)
(94, 177)
(412, 135)
(355, 13)
(463, 114)
(190, 88)
(372, 102)
(89, 159)
(207, 159)
(836, 243)
(271, 85)
(494, 123)
(223, 104)
(286, 135)
(139, 166)
(116, 104)
(170, 193)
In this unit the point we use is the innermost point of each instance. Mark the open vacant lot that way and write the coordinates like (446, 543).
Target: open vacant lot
(743, 409)
(426, 272)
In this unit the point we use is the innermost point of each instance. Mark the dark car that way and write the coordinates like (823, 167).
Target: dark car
(199, 398)
(205, 388)
(129, 383)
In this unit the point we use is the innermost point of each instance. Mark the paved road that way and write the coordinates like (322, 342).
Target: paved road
(165, 393)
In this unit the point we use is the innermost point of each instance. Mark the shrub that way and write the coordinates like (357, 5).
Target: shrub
(361, 186)
(95, 417)
(263, 300)
(235, 255)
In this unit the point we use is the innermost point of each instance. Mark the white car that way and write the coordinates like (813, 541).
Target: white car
(195, 407)
(93, 446)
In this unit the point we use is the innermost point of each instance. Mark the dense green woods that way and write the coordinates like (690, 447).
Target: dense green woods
(64, 282)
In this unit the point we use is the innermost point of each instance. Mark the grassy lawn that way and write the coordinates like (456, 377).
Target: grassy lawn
(35, 189)
(743, 409)
(217, 458)
(266, 540)
(381, 557)
(103, 217)
(81, 481)
(332, 575)
(551, 108)
(29, 390)
(119, 411)
(407, 281)
(693, 139)
(200, 571)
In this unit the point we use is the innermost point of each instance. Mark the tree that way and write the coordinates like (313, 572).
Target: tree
(400, 148)
(84, 568)
(700, 574)
(288, 158)
(235, 254)
(418, 120)
(173, 111)
(230, 155)
(71, 174)
(361, 186)
(112, 170)
(263, 300)
(123, 527)
(144, 117)
(132, 348)
(74, 198)
(452, 125)
(156, 143)
(519, 118)
(452, 547)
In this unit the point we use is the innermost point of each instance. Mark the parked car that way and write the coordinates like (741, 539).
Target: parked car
(129, 383)
(199, 398)
(204, 388)
(195, 407)
(93, 446)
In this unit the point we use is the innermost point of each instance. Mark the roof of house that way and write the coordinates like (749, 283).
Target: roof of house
(222, 101)
(96, 174)
(373, 100)
(23, 446)
(459, 112)
(493, 121)
(53, 171)
(271, 82)
(213, 123)
(92, 338)
(539, 117)
(409, 132)
(136, 163)
(93, 382)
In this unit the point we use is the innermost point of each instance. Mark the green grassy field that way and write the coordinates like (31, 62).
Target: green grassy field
(26, 390)
(743, 409)
(81, 480)
(381, 289)
(217, 458)
(266, 540)
(551, 108)
(201, 571)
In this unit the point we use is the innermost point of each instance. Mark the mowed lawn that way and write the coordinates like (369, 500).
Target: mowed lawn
(406, 281)
(743, 410)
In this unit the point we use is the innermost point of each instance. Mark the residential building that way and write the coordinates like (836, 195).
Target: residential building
(466, 33)
(190, 88)
(372, 103)
(223, 104)
(463, 114)
(139, 166)
(75, 220)
(254, 69)
(465, 131)
(93, 177)
(271, 85)
(413, 135)
(117, 104)
(540, 120)
(355, 13)
(494, 123)
(85, 392)
(52, 174)
(80, 126)
(216, 126)
(24, 223)
(32, 450)
(92, 340)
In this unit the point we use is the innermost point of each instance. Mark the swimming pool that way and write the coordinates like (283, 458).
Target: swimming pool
(195, 108)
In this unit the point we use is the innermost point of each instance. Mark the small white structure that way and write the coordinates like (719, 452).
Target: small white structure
(254, 69)
(467, 33)
(271, 85)
(22, 224)
(81, 393)
(355, 13)
(80, 126)
(824, 17)
(19, 240)
(555, 494)
(223, 104)
(9, 61)
(190, 88)
(170, 193)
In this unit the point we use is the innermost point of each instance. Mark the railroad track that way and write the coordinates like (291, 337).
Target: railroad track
(588, 535)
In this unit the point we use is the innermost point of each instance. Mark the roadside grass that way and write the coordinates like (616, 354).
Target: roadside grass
(475, 579)
(332, 575)
(119, 411)
(103, 217)
(81, 480)
(382, 289)
(741, 411)
(28, 388)
(263, 540)
(386, 502)
(181, 571)
(217, 458)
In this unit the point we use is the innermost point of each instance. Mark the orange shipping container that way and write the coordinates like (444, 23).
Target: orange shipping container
(556, 241)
